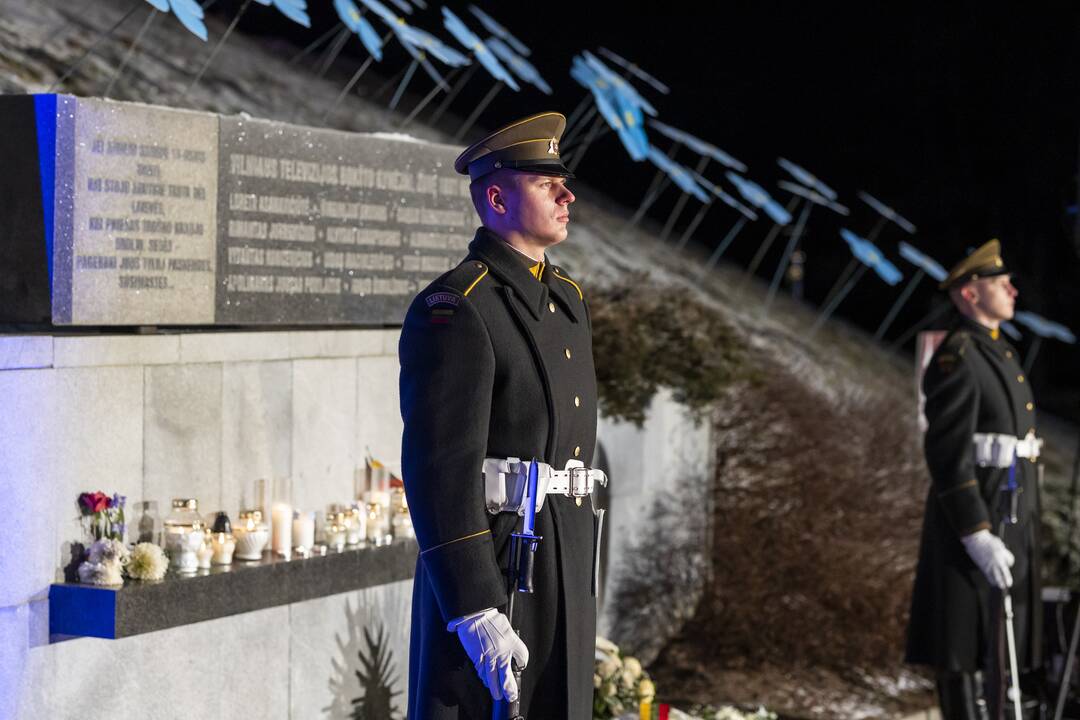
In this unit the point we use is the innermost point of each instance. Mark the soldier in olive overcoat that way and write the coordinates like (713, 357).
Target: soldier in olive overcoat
(496, 363)
(981, 422)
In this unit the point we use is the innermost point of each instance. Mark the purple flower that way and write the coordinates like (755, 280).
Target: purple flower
(118, 500)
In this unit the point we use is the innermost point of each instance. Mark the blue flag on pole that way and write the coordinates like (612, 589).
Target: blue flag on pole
(478, 47)
(295, 10)
(188, 12)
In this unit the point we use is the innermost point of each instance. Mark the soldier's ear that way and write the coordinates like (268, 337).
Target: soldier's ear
(495, 200)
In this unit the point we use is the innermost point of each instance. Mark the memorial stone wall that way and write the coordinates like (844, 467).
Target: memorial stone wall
(141, 215)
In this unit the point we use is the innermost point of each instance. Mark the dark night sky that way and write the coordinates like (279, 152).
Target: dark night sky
(964, 116)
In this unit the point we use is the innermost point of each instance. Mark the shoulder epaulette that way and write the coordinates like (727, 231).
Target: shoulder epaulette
(957, 342)
(465, 277)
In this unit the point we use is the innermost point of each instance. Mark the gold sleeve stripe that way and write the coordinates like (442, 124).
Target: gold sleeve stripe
(580, 296)
(958, 488)
(451, 542)
(474, 282)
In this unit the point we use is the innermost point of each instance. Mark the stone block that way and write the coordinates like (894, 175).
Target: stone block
(335, 343)
(328, 636)
(233, 347)
(256, 425)
(183, 435)
(323, 434)
(116, 350)
(232, 667)
(23, 352)
(63, 432)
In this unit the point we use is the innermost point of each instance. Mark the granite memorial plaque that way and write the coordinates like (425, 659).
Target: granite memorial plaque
(331, 227)
(138, 215)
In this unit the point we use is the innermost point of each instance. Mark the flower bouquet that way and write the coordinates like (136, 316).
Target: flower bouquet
(104, 563)
(103, 516)
(620, 686)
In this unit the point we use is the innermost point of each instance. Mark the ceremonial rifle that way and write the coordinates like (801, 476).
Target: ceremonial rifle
(519, 578)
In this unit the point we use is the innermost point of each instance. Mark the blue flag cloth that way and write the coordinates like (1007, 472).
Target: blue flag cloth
(922, 261)
(1044, 328)
(425, 41)
(887, 212)
(621, 87)
(678, 174)
(620, 115)
(634, 70)
(478, 47)
(521, 67)
(697, 145)
(759, 198)
(806, 178)
(188, 12)
(813, 196)
(295, 10)
(350, 15)
(493, 27)
(866, 253)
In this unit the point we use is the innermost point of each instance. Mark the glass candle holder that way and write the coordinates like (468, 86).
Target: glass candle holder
(184, 534)
(251, 535)
(224, 547)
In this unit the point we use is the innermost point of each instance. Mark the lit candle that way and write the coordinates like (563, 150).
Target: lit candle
(205, 553)
(303, 530)
(281, 518)
(336, 536)
(224, 545)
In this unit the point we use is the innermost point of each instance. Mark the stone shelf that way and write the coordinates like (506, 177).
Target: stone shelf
(140, 607)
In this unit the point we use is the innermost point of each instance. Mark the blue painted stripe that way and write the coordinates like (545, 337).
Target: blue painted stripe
(45, 118)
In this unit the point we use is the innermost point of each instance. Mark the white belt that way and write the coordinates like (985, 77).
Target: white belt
(505, 480)
(998, 450)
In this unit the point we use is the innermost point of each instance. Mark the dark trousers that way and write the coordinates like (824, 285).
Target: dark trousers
(961, 696)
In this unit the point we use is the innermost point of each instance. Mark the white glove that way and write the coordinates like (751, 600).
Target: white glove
(492, 644)
(991, 556)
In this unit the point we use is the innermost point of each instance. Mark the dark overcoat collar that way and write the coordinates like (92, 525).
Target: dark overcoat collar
(510, 267)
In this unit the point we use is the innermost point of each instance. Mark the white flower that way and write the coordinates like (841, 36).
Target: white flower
(627, 680)
(107, 551)
(646, 690)
(597, 681)
(608, 690)
(632, 666)
(616, 708)
(148, 562)
(608, 667)
(107, 573)
(606, 646)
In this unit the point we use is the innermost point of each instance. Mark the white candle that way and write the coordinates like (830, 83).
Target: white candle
(303, 529)
(205, 553)
(281, 517)
(224, 545)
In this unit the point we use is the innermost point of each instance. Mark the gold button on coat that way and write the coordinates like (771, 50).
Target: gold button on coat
(1030, 406)
(1008, 353)
(577, 452)
(567, 353)
(577, 401)
(551, 307)
(1019, 378)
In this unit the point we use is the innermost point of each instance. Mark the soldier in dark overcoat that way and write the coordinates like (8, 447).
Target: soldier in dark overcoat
(496, 364)
(981, 416)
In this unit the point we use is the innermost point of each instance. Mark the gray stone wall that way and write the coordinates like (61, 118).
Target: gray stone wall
(194, 415)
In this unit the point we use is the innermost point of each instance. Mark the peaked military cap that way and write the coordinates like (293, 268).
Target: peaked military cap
(528, 145)
(984, 262)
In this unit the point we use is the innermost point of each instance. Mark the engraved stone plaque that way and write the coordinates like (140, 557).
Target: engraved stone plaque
(156, 216)
(331, 227)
